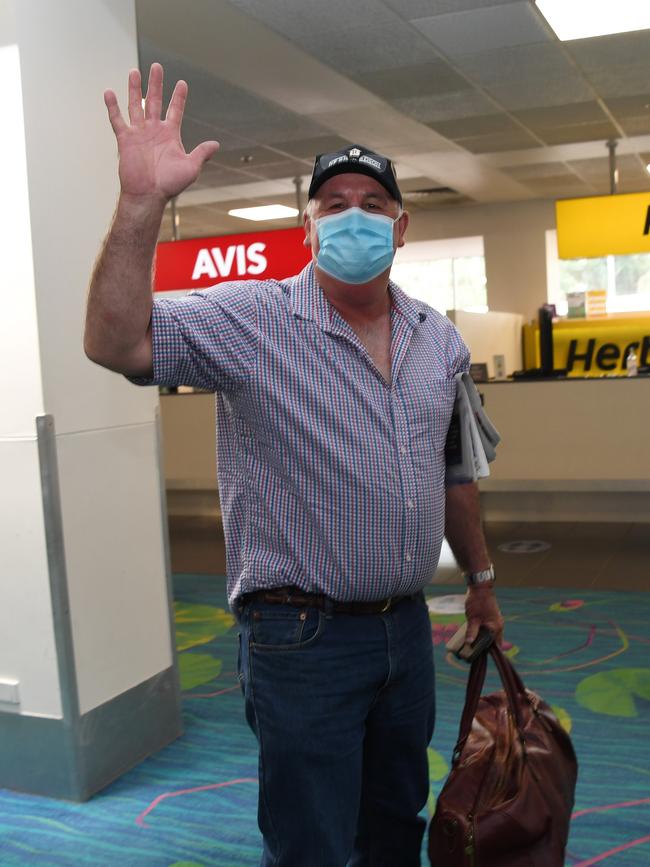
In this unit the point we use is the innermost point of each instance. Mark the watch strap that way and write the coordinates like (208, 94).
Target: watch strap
(478, 579)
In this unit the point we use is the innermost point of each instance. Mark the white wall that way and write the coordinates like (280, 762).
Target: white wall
(514, 246)
(58, 173)
(27, 649)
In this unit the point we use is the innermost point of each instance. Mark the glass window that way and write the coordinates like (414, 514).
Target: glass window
(626, 278)
(447, 275)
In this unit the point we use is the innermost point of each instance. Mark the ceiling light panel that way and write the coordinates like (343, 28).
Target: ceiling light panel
(264, 212)
(581, 19)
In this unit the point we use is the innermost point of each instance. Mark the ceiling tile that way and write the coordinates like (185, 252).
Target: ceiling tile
(215, 175)
(418, 183)
(597, 166)
(473, 126)
(597, 170)
(633, 105)
(284, 169)
(237, 157)
(542, 118)
(275, 128)
(635, 125)
(383, 45)
(297, 17)
(527, 62)
(636, 185)
(522, 76)
(560, 187)
(518, 93)
(410, 9)
(307, 148)
(508, 141)
(444, 106)
(578, 132)
(194, 132)
(617, 65)
(486, 29)
(416, 80)
(536, 170)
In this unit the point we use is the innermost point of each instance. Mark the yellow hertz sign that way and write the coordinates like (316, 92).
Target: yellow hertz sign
(603, 226)
(588, 347)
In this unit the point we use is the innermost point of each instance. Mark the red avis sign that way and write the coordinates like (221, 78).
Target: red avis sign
(201, 262)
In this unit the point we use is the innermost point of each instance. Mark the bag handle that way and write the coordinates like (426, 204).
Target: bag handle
(513, 687)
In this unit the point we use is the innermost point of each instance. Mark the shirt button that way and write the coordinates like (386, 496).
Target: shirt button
(408, 558)
(403, 450)
(410, 504)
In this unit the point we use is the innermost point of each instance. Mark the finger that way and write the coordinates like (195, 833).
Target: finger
(114, 113)
(176, 105)
(136, 114)
(203, 152)
(153, 101)
(473, 625)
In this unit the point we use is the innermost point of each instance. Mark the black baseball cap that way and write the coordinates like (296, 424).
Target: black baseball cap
(355, 158)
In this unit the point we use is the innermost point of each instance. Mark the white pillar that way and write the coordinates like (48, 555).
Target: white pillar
(85, 625)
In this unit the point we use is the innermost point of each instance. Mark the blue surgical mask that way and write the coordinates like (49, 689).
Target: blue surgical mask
(354, 246)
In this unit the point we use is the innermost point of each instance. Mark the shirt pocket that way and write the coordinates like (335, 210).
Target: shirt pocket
(429, 404)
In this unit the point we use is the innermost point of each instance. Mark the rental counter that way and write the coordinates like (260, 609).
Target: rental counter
(571, 450)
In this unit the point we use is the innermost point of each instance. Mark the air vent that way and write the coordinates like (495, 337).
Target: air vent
(432, 195)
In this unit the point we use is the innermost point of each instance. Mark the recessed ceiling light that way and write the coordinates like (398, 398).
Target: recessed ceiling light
(647, 168)
(264, 212)
(579, 19)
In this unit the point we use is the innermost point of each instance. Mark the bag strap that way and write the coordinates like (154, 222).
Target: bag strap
(513, 688)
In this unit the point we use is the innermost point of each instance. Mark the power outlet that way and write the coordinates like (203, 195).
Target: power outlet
(9, 693)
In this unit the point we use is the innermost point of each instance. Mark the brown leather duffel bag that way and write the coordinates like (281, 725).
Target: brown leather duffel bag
(508, 799)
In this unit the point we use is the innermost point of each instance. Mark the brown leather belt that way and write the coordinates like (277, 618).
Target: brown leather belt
(300, 599)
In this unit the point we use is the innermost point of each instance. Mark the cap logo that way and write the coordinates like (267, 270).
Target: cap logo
(374, 163)
(355, 152)
(342, 159)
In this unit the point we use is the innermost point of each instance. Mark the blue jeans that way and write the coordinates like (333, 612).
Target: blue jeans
(343, 709)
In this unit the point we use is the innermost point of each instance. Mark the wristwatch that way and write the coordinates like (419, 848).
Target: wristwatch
(479, 579)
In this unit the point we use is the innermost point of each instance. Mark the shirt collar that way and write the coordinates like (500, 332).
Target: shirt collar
(309, 302)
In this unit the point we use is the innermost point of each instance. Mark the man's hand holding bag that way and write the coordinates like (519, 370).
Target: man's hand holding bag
(508, 799)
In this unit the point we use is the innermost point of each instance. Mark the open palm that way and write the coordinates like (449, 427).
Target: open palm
(153, 161)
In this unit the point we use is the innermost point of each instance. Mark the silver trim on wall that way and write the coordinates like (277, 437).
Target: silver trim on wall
(76, 756)
(55, 545)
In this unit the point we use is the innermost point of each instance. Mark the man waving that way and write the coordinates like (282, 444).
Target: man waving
(334, 396)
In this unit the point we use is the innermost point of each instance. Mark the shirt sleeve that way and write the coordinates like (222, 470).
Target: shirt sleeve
(206, 339)
(457, 353)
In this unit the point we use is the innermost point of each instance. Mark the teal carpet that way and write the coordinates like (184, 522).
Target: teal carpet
(194, 803)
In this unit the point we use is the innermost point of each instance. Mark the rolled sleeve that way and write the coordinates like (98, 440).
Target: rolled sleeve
(207, 339)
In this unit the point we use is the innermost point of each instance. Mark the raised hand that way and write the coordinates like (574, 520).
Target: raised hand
(153, 161)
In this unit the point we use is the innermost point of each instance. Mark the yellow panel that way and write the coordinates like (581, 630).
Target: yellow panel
(592, 347)
(603, 226)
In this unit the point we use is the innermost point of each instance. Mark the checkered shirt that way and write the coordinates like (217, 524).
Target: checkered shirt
(329, 478)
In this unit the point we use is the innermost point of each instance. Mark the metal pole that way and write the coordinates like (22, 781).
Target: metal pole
(613, 171)
(298, 185)
(175, 221)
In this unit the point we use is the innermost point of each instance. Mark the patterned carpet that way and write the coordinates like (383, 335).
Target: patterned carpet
(194, 803)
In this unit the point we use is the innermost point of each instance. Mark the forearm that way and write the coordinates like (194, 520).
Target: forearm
(120, 298)
(464, 532)
(463, 527)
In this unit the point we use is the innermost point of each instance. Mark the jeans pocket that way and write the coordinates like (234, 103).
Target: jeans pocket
(283, 627)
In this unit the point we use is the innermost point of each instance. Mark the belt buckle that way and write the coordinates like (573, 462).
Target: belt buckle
(387, 605)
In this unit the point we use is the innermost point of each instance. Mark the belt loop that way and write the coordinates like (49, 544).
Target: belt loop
(328, 608)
